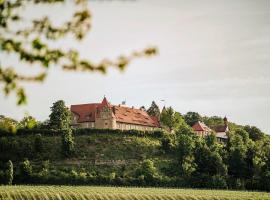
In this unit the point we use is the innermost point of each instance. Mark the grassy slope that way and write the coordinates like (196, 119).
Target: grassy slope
(101, 153)
(86, 192)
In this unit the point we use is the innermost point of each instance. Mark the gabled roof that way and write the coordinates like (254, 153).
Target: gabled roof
(200, 126)
(105, 103)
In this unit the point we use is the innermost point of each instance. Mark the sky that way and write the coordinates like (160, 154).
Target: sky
(213, 59)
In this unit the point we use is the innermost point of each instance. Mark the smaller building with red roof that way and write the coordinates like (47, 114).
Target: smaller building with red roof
(106, 116)
(220, 131)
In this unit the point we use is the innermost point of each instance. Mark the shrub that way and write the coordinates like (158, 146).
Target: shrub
(9, 173)
(67, 142)
(25, 170)
(38, 143)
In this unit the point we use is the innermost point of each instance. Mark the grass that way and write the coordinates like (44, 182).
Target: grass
(121, 193)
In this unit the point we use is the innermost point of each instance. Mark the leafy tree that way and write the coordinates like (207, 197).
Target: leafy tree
(167, 143)
(213, 121)
(60, 116)
(237, 154)
(254, 133)
(208, 158)
(171, 120)
(29, 40)
(9, 173)
(192, 117)
(148, 170)
(67, 142)
(28, 122)
(8, 124)
(154, 110)
(185, 153)
(25, 170)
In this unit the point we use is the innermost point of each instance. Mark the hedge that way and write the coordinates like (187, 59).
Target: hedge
(84, 131)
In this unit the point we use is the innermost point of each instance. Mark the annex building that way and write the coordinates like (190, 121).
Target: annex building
(220, 131)
(106, 116)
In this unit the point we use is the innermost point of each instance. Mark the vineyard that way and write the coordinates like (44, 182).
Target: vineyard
(111, 193)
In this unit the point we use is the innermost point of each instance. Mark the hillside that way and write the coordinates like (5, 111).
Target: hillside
(95, 153)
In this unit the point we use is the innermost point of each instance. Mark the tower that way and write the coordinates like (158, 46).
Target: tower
(105, 118)
(225, 121)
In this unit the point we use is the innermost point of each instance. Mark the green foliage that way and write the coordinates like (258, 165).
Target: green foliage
(67, 143)
(254, 133)
(192, 117)
(185, 149)
(171, 120)
(60, 116)
(147, 170)
(9, 173)
(26, 170)
(28, 122)
(213, 121)
(39, 148)
(154, 110)
(208, 159)
(8, 125)
(167, 143)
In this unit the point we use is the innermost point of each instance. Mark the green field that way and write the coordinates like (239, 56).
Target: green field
(122, 193)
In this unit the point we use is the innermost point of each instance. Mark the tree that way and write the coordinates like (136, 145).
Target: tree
(28, 122)
(25, 170)
(237, 154)
(208, 159)
(60, 116)
(67, 142)
(171, 119)
(185, 153)
(30, 42)
(147, 170)
(254, 133)
(153, 110)
(9, 173)
(213, 121)
(8, 124)
(192, 117)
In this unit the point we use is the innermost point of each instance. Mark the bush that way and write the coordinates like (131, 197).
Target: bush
(67, 142)
(9, 173)
(25, 171)
(217, 182)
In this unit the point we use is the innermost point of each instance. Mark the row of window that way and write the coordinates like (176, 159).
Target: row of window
(124, 126)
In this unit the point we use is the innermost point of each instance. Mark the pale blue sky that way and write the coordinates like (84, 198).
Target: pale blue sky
(214, 59)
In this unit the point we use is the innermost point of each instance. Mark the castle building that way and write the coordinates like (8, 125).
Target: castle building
(106, 116)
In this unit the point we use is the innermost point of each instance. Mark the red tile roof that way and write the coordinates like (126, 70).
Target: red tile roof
(200, 126)
(87, 113)
(220, 128)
